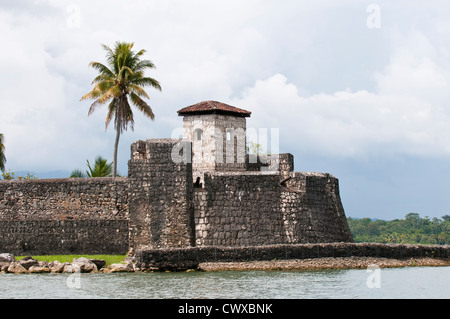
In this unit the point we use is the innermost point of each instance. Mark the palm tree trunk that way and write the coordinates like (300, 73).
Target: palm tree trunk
(116, 146)
(2, 154)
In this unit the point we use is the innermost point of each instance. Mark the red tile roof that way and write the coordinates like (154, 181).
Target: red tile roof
(208, 107)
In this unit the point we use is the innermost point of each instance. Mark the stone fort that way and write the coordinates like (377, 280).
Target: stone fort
(200, 190)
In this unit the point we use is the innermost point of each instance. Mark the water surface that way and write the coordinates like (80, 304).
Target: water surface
(408, 282)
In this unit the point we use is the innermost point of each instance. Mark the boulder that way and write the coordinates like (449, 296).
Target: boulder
(4, 266)
(17, 268)
(128, 267)
(27, 262)
(80, 265)
(38, 269)
(6, 257)
(69, 268)
(56, 266)
(100, 263)
(85, 264)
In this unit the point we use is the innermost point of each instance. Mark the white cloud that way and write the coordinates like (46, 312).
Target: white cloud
(257, 55)
(409, 114)
(42, 128)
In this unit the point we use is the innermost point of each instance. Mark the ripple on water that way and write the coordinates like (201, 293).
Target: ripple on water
(408, 282)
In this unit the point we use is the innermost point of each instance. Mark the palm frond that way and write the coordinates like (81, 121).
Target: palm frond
(101, 168)
(111, 112)
(104, 98)
(142, 105)
(103, 78)
(147, 81)
(107, 49)
(99, 89)
(141, 52)
(138, 90)
(93, 107)
(103, 69)
(113, 93)
(76, 173)
(124, 73)
(144, 64)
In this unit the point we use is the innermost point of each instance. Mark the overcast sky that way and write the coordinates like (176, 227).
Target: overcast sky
(358, 89)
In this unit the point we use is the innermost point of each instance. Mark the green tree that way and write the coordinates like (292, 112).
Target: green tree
(413, 229)
(122, 78)
(77, 173)
(2, 154)
(101, 169)
(254, 148)
(8, 175)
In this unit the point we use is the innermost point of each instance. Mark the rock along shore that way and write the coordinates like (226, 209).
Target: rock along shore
(277, 257)
(29, 265)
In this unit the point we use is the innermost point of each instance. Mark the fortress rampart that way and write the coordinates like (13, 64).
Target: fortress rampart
(158, 207)
(64, 216)
(177, 195)
(252, 208)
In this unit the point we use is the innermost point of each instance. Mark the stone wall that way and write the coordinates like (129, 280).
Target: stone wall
(59, 237)
(157, 207)
(58, 216)
(66, 198)
(160, 194)
(252, 208)
(313, 208)
(190, 258)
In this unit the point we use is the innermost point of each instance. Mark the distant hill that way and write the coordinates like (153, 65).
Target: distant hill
(44, 175)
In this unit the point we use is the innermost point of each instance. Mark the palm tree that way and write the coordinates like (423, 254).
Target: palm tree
(122, 77)
(77, 173)
(2, 154)
(101, 169)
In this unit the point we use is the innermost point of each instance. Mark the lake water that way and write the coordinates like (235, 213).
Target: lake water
(409, 282)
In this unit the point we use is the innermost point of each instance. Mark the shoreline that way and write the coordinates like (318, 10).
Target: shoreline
(324, 263)
(270, 257)
(311, 264)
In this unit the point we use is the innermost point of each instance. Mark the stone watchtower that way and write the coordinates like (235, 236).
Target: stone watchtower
(218, 135)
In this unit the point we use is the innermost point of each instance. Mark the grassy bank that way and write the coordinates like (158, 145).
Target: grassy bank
(110, 259)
